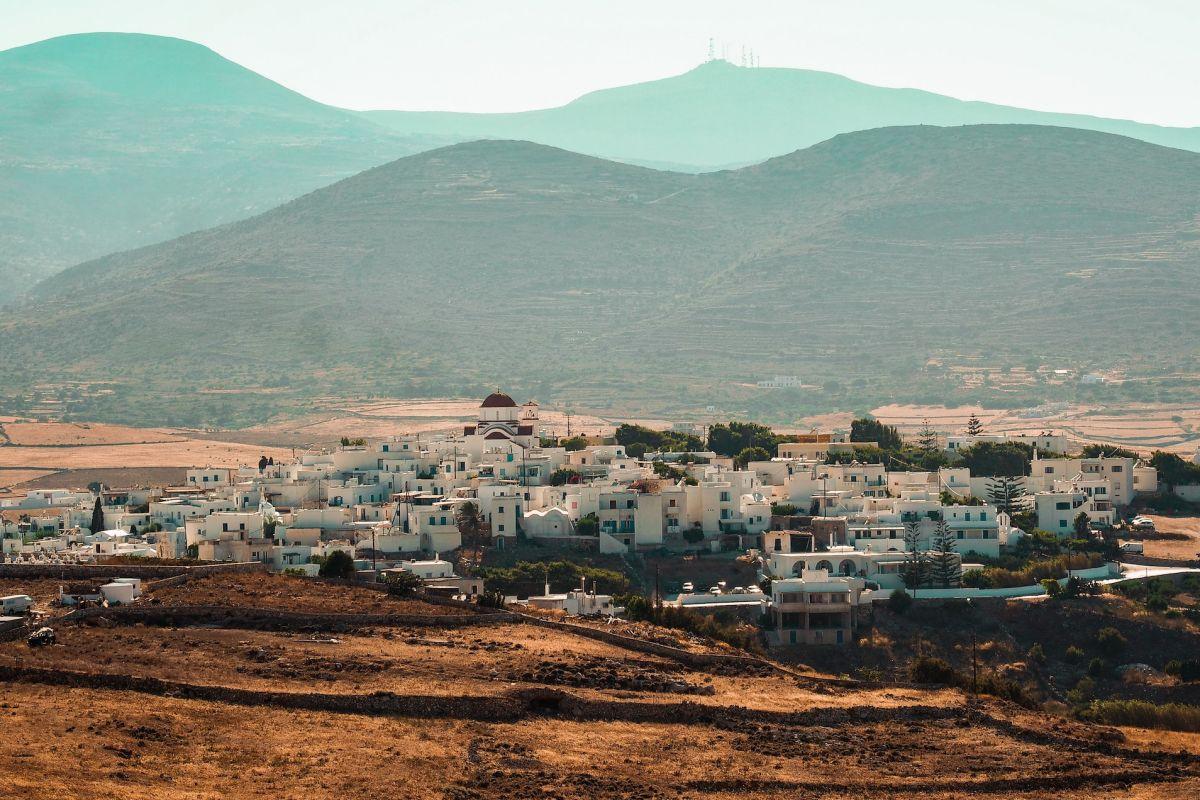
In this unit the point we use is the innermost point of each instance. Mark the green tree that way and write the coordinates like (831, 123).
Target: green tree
(945, 565)
(749, 454)
(974, 426)
(1007, 493)
(997, 458)
(1081, 525)
(574, 443)
(402, 583)
(866, 429)
(927, 438)
(1109, 450)
(729, 439)
(97, 524)
(471, 524)
(915, 569)
(338, 564)
(588, 525)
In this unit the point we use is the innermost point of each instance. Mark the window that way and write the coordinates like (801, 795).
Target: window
(724, 497)
(960, 534)
(1062, 523)
(1049, 470)
(612, 504)
(1062, 506)
(1118, 468)
(501, 529)
(968, 519)
(629, 504)
(672, 504)
(983, 516)
(500, 510)
(225, 526)
(778, 543)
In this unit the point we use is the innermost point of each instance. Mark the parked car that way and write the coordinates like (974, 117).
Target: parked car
(1142, 524)
(1132, 547)
(688, 587)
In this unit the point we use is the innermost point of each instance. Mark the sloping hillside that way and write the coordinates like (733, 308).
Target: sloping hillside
(513, 262)
(719, 115)
(110, 141)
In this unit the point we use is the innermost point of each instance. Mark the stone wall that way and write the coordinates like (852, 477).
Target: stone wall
(274, 619)
(653, 648)
(147, 572)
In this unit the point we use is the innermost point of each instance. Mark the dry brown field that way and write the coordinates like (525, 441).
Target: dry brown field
(1183, 549)
(585, 719)
(1140, 427)
(42, 434)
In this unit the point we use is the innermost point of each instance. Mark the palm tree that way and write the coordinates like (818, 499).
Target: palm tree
(471, 524)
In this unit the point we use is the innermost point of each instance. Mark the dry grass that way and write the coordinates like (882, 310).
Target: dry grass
(1184, 549)
(285, 593)
(41, 434)
(181, 453)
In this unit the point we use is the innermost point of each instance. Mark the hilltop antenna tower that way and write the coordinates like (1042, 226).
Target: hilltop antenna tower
(712, 53)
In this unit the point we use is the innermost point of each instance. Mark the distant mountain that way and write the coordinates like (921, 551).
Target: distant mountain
(854, 260)
(109, 141)
(719, 115)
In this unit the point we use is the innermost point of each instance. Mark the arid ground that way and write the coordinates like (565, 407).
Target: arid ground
(506, 709)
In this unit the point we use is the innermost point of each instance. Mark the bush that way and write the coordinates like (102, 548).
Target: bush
(1083, 691)
(1110, 642)
(1037, 654)
(1052, 587)
(721, 628)
(783, 510)
(1140, 714)
(402, 583)
(926, 669)
(338, 564)
(693, 535)
(1074, 654)
(899, 601)
(1186, 671)
(1097, 667)
(490, 600)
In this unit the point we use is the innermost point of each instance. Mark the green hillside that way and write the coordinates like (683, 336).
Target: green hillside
(720, 115)
(110, 141)
(850, 263)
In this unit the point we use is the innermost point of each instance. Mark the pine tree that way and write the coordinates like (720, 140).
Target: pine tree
(927, 438)
(1007, 493)
(97, 517)
(915, 570)
(945, 566)
(974, 426)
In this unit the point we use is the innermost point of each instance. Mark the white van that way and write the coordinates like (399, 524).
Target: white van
(1132, 547)
(15, 604)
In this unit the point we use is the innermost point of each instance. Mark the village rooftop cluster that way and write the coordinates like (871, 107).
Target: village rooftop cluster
(827, 532)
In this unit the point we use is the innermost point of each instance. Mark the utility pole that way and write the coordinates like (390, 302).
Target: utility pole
(657, 593)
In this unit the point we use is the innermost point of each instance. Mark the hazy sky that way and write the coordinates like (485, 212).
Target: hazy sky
(1138, 59)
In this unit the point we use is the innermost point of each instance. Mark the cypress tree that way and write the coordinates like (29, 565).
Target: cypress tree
(945, 565)
(97, 516)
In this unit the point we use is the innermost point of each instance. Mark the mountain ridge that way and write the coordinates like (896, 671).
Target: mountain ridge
(513, 262)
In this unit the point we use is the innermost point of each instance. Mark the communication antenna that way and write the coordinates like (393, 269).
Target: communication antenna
(712, 53)
(743, 55)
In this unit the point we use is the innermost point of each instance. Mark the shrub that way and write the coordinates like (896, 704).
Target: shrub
(1140, 714)
(1083, 691)
(1052, 587)
(1110, 642)
(693, 535)
(338, 564)
(1037, 654)
(899, 601)
(1097, 667)
(490, 600)
(1186, 671)
(926, 669)
(783, 509)
(402, 583)
(1074, 654)
(870, 674)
